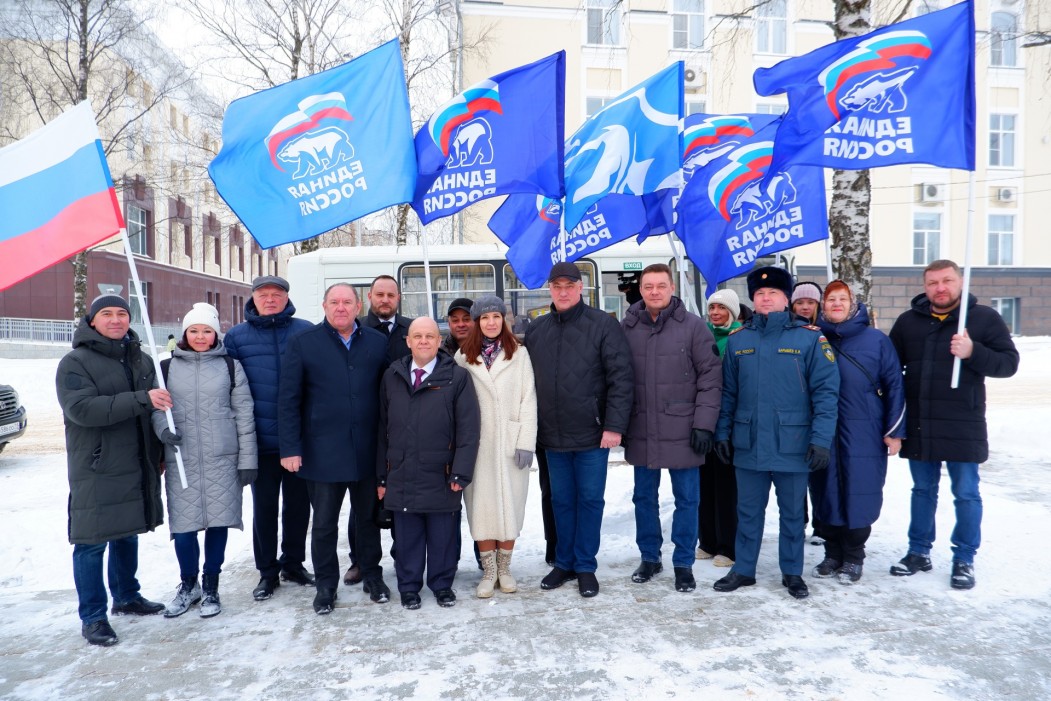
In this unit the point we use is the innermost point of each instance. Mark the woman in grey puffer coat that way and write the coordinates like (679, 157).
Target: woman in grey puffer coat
(215, 433)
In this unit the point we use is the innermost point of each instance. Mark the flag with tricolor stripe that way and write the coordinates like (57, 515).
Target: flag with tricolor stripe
(56, 195)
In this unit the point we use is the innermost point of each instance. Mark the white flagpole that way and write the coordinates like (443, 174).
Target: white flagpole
(153, 346)
(966, 293)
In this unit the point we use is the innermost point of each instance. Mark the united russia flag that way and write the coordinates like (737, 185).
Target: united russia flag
(56, 195)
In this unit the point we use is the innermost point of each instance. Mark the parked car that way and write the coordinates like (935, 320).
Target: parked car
(13, 420)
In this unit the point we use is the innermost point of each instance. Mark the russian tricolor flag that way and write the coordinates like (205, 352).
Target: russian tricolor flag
(56, 195)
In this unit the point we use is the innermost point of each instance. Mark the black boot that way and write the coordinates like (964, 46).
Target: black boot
(210, 605)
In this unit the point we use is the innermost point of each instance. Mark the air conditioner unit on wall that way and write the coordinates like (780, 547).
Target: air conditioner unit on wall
(1006, 194)
(693, 76)
(932, 192)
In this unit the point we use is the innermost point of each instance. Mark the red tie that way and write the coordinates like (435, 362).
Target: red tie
(419, 377)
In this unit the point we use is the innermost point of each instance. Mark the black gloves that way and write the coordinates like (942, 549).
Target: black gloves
(700, 441)
(817, 458)
(722, 451)
(247, 476)
(169, 438)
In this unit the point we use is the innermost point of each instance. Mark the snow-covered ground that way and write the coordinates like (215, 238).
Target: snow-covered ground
(885, 637)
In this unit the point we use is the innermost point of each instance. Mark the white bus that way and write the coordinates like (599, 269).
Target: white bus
(475, 270)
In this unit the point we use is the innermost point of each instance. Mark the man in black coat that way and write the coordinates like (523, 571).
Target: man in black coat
(584, 390)
(428, 442)
(330, 377)
(944, 424)
(106, 388)
(384, 300)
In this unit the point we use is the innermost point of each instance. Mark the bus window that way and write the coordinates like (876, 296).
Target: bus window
(448, 281)
(526, 304)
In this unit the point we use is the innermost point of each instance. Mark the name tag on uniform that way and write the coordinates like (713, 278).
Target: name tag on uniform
(793, 351)
(744, 351)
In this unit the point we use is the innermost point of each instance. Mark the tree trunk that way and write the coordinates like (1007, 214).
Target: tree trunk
(401, 234)
(80, 261)
(848, 213)
(80, 285)
(848, 223)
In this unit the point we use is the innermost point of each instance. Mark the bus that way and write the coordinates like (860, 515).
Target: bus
(610, 276)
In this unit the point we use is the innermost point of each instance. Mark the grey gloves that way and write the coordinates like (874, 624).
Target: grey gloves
(169, 438)
(247, 476)
(523, 458)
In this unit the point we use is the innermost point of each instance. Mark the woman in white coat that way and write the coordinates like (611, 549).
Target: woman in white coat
(496, 497)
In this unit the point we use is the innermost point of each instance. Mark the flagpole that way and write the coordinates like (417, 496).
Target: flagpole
(965, 295)
(152, 345)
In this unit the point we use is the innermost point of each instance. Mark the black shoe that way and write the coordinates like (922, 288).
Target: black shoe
(265, 589)
(556, 578)
(99, 633)
(324, 601)
(849, 573)
(645, 571)
(684, 580)
(353, 576)
(827, 568)
(796, 586)
(733, 581)
(445, 597)
(587, 584)
(911, 564)
(377, 591)
(298, 575)
(410, 600)
(137, 607)
(962, 575)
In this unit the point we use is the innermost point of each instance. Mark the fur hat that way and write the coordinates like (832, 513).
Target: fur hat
(806, 290)
(103, 301)
(486, 304)
(729, 299)
(202, 313)
(770, 276)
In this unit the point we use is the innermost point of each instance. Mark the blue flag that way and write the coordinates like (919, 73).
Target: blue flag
(502, 135)
(632, 147)
(900, 94)
(728, 214)
(531, 228)
(310, 155)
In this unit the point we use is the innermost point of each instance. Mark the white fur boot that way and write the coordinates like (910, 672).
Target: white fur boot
(485, 587)
(508, 585)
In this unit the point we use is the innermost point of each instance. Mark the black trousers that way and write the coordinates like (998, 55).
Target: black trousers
(426, 542)
(547, 511)
(845, 544)
(717, 515)
(278, 491)
(327, 500)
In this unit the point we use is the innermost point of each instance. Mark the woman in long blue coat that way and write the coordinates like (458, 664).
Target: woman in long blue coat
(848, 495)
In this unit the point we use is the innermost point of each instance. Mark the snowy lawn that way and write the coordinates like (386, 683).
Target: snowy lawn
(911, 638)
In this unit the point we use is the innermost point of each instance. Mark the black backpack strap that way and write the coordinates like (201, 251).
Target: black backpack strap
(165, 364)
(230, 369)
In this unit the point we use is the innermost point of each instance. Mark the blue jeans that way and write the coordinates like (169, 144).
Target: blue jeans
(963, 478)
(578, 489)
(686, 488)
(87, 575)
(188, 551)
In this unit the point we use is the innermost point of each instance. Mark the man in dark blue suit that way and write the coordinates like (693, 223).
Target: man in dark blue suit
(330, 378)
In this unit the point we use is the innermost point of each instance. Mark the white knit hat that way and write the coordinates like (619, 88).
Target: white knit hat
(202, 313)
(728, 298)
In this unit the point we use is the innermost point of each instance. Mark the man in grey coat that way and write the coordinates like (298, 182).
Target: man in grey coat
(106, 388)
(678, 387)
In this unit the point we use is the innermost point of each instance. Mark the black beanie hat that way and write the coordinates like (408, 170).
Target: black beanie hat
(103, 301)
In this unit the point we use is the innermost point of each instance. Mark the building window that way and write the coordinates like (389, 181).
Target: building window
(593, 105)
(1001, 239)
(217, 247)
(604, 22)
(138, 231)
(694, 107)
(771, 27)
(771, 108)
(1002, 140)
(135, 304)
(687, 24)
(926, 237)
(1008, 308)
(1003, 40)
(187, 242)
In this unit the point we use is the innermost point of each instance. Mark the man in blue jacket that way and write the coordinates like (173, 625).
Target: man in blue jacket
(779, 408)
(328, 411)
(258, 343)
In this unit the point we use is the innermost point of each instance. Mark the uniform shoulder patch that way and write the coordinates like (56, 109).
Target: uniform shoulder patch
(812, 327)
(739, 328)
